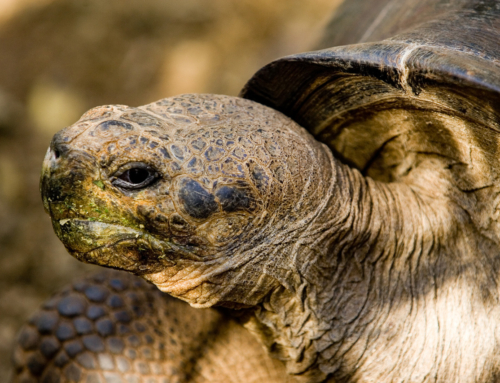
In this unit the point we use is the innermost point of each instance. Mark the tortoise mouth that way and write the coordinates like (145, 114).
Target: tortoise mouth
(84, 235)
(113, 245)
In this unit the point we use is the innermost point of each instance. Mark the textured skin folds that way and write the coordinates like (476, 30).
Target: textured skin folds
(341, 277)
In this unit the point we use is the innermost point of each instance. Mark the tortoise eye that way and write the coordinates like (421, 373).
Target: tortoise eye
(135, 176)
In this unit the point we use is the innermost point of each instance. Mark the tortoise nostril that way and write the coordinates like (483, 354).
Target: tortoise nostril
(58, 147)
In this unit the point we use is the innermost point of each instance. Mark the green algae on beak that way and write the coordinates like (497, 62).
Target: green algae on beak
(86, 235)
(99, 184)
(112, 245)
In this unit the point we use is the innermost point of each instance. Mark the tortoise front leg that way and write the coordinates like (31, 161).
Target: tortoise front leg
(114, 327)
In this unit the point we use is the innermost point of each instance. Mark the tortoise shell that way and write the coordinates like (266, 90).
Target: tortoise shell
(426, 85)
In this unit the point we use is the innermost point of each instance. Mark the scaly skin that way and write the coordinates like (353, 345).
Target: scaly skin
(114, 327)
(341, 277)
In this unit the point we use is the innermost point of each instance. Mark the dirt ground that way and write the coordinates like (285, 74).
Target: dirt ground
(59, 58)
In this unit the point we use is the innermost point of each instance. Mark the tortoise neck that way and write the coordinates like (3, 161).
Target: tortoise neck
(374, 265)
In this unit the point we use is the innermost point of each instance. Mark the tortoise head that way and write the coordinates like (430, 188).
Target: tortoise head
(188, 192)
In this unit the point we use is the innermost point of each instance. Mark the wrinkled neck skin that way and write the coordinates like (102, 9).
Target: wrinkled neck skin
(385, 283)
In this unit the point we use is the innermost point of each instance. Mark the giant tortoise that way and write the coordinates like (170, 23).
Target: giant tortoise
(369, 255)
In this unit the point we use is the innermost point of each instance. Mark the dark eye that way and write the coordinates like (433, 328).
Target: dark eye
(135, 176)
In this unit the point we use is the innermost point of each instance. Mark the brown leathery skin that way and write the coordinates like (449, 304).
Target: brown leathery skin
(113, 327)
(223, 182)
(342, 277)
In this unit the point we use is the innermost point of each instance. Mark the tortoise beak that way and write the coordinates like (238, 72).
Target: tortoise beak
(48, 191)
(112, 245)
(63, 171)
(82, 235)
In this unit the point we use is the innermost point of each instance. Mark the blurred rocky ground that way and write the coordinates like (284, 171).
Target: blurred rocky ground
(59, 58)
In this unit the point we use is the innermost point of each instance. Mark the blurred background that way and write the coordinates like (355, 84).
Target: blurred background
(59, 58)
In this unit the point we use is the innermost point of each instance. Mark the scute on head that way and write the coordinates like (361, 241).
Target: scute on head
(177, 190)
